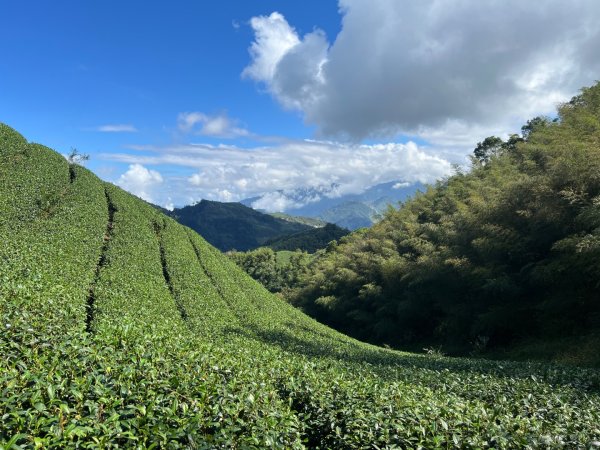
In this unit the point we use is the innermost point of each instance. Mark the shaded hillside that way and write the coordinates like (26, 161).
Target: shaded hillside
(120, 328)
(233, 226)
(309, 241)
(502, 258)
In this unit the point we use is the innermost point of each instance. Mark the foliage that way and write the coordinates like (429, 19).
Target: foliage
(276, 271)
(310, 240)
(120, 328)
(76, 157)
(489, 147)
(484, 261)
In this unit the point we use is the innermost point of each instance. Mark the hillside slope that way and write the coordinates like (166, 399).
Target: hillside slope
(502, 258)
(233, 226)
(309, 241)
(120, 328)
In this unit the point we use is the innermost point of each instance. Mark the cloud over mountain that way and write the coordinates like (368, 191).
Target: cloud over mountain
(228, 173)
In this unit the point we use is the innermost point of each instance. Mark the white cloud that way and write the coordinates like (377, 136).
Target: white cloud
(276, 202)
(117, 128)
(140, 181)
(231, 174)
(290, 67)
(273, 39)
(216, 126)
(423, 67)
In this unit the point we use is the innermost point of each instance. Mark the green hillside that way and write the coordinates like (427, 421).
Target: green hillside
(310, 240)
(120, 328)
(233, 226)
(502, 258)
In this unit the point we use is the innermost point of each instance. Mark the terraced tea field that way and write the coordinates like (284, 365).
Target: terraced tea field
(122, 329)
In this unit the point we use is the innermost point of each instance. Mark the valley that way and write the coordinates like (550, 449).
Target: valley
(328, 225)
(123, 328)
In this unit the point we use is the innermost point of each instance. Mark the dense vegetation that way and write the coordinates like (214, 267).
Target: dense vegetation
(282, 264)
(309, 241)
(278, 271)
(120, 328)
(233, 226)
(505, 256)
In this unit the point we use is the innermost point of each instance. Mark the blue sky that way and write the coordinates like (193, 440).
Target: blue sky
(177, 101)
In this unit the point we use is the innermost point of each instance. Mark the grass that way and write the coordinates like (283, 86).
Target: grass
(122, 328)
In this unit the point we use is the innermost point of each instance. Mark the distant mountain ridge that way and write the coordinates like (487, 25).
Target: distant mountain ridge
(350, 211)
(351, 215)
(310, 221)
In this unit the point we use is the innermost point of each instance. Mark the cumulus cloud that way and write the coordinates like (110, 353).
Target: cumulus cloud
(430, 66)
(216, 126)
(291, 67)
(117, 128)
(227, 173)
(274, 37)
(140, 181)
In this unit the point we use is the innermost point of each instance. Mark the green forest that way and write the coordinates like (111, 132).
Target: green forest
(308, 241)
(279, 271)
(503, 257)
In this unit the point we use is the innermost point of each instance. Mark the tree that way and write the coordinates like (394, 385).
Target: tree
(511, 144)
(489, 147)
(260, 264)
(74, 157)
(536, 124)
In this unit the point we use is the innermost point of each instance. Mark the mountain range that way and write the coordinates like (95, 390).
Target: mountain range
(351, 211)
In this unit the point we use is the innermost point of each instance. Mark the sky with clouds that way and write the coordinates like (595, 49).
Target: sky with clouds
(179, 101)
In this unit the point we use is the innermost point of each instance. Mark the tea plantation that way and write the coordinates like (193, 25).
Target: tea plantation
(122, 329)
